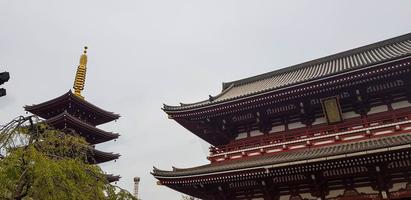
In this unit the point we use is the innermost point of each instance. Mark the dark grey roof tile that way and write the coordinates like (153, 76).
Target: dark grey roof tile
(290, 156)
(356, 58)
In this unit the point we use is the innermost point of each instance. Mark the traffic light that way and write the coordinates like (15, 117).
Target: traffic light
(4, 77)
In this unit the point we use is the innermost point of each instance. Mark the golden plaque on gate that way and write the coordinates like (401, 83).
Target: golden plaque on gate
(332, 110)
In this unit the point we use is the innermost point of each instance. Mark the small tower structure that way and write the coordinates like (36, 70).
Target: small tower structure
(136, 186)
(72, 114)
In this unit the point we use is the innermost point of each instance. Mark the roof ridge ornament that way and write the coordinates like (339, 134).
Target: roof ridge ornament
(80, 78)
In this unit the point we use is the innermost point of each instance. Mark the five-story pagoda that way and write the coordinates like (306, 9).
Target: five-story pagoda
(335, 128)
(71, 113)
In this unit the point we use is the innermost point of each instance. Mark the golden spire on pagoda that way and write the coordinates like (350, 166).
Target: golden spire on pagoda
(81, 74)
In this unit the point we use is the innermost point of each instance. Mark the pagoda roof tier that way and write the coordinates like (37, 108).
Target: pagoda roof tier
(98, 156)
(112, 178)
(69, 101)
(304, 73)
(290, 158)
(93, 135)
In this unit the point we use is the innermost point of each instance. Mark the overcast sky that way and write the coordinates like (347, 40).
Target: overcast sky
(143, 53)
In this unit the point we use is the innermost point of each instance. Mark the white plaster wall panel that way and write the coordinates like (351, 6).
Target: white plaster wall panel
(400, 104)
(348, 115)
(307, 196)
(241, 136)
(320, 120)
(285, 197)
(398, 186)
(295, 125)
(366, 190)
(334, 193)
(256, 133)
(277, 129)
(378, 109)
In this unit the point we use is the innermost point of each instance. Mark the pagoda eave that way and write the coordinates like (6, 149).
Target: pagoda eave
(67, 101)
(98, 156)
(93, 135)
(112, 178)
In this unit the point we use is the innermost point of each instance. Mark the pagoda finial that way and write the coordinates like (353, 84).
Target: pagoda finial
(81, 74)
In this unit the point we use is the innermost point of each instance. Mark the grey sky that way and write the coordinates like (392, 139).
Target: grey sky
(143, 53)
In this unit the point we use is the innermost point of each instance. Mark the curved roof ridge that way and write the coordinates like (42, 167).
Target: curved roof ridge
(112, 178)
(226, 88)
(166, 107)
(99, 156)
(324, 67)
(34, 106)
(97, 152)
(69, 96)
(302, 65)
(210, 99)
(104, 133)
(83, 101)
(178, 169)
(292, 156)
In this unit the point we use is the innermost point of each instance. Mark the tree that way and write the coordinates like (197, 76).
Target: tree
(39, 162)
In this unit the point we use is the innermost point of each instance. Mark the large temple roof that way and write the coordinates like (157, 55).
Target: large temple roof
(92, 134)
(64, 101)
(290, 158)
(358, 58)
